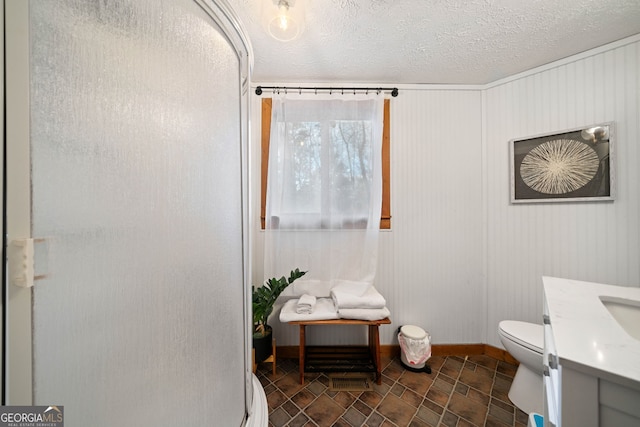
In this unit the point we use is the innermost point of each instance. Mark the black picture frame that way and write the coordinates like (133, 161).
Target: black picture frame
(574, 165)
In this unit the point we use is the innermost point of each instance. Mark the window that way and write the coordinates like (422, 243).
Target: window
(349, 171)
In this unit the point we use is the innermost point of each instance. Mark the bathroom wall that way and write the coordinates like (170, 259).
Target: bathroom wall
(459, 257)
(431, 261)
(598, 241)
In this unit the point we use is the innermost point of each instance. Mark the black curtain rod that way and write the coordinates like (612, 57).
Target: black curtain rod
(394, 90)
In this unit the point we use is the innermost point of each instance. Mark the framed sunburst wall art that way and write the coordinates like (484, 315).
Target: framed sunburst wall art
(574, 165)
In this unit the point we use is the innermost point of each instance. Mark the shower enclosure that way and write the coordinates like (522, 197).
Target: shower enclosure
(126, 140)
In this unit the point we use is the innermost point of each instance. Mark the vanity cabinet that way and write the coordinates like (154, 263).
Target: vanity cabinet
(584, 395)
(551, 374)
(570, 396)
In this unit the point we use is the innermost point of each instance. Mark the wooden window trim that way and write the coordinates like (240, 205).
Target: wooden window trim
(385, 216)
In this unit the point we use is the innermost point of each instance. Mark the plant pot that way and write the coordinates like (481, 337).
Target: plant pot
(262, 344)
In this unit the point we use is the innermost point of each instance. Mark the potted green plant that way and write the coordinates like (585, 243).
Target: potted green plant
(263, 299)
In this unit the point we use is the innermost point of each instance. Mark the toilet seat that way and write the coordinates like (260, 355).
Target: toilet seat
(528, 335)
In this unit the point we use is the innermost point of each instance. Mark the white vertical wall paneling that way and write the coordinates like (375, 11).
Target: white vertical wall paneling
(436, 208)
(589, 241)
(430, 263)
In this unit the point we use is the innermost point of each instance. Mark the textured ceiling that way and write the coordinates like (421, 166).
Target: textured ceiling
(431, 41)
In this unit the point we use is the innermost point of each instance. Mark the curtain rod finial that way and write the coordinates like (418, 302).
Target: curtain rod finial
(259, 90)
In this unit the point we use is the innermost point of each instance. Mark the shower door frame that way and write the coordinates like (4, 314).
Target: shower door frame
(223, 15)
(17, 345)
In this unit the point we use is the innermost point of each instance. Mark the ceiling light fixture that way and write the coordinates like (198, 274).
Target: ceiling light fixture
(284, 21)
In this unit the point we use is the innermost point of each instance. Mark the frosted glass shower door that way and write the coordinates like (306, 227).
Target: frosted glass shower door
(136, 202)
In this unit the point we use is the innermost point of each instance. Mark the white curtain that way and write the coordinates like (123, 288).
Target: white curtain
(324, 188)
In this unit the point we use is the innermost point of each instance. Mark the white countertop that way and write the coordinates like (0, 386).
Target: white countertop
(586, 335)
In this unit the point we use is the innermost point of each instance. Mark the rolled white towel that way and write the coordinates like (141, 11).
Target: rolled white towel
(306, 304)
(324, 310)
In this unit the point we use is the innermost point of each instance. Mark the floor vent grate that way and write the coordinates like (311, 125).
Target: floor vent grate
(350, 383)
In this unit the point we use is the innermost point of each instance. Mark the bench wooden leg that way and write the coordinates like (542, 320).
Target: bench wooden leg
(273, 356)
(374, 348)
(302, 352)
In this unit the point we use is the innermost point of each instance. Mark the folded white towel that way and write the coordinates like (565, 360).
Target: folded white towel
(324, 310)
(364, 313)
(343, 297)
(306, 304)
(351, 286)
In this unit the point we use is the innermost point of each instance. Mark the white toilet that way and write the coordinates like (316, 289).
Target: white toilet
(525, 342)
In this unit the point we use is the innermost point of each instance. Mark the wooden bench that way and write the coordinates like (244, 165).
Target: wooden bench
(341, 359)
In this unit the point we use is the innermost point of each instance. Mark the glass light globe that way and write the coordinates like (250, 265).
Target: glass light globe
(284, 28)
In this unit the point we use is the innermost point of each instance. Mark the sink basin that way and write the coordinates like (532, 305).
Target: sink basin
(626, 312)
